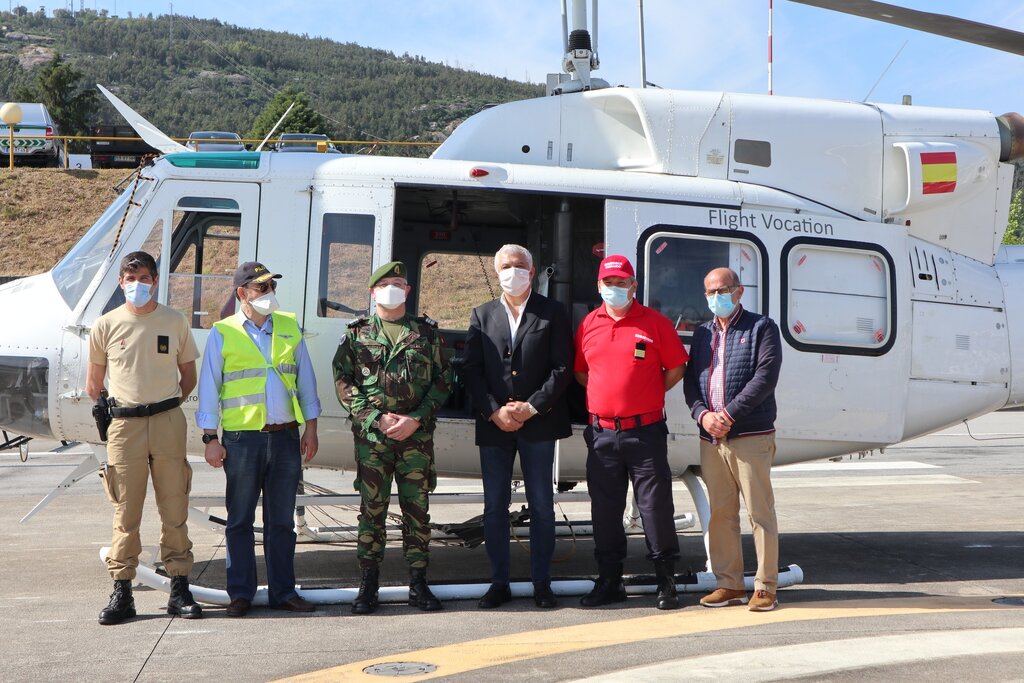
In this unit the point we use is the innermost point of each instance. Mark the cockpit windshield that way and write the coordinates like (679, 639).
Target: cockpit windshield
(76, 270)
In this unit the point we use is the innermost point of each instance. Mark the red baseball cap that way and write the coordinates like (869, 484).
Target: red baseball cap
(615, 266)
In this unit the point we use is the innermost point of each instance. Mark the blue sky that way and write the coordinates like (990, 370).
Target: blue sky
(691, 44)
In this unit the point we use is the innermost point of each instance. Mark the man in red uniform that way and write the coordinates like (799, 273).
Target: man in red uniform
(628, 356)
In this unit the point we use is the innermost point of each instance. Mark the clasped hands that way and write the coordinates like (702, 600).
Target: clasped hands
(511, 416)
(717, 424)
(398, 427)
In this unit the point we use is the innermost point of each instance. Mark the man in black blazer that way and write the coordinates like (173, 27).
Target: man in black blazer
(518, 364)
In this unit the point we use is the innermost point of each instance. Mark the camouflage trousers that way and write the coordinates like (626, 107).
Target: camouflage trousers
(411, 462)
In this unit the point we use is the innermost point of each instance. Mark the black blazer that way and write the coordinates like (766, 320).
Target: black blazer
(537, 368)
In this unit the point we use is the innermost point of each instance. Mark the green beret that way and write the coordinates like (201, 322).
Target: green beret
(393, 269)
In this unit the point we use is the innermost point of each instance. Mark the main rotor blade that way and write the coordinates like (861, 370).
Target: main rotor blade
(938, 24)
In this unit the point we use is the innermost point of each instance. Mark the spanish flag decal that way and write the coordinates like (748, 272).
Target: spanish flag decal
(938, 172)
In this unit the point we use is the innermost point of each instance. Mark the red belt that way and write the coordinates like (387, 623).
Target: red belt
(279, 427)
(631, 422)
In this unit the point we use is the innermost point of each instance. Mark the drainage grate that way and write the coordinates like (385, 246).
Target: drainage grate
(400, 669)
(1012, 602)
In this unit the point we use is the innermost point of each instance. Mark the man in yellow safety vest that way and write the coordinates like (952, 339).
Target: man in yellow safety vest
(257, 383)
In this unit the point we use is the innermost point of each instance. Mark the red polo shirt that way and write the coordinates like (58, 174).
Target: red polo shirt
(625, 360)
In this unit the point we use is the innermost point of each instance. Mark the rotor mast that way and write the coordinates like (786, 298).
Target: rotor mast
(580, 52)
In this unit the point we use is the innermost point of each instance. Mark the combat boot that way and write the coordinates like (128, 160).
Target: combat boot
(366, 602)
(181, 601)
(122, 604)
(608, 588)
(419, 592)
(668, 597)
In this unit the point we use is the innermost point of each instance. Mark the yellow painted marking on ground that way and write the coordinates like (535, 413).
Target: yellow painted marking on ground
(516, 647)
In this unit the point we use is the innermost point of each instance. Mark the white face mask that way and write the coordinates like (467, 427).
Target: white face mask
(266, 304)
(514, 281)
(389, 296)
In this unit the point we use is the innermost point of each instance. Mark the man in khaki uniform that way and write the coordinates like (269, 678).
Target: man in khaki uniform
(146, 352)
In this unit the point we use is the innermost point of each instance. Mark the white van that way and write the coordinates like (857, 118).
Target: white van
(35, 119)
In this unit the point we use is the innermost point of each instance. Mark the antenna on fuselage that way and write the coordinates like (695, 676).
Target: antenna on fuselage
(580, 52)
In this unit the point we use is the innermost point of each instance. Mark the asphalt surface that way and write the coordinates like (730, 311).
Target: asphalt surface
(904, 554)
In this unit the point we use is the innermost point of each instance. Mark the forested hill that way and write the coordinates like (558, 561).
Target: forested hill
(187, 74)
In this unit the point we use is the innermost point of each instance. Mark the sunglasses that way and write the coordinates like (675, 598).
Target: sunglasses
(262, 287)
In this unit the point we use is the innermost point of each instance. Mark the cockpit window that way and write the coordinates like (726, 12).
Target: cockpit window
(77, 269)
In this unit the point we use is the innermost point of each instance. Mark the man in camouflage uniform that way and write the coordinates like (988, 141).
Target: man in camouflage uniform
(392, 375)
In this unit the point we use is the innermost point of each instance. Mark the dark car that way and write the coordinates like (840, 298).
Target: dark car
(305, 142)
(125, 150)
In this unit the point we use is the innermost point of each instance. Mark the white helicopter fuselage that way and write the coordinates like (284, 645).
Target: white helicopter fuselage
(870, 233)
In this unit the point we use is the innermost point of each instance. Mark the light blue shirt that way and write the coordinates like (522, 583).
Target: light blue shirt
(279, 406)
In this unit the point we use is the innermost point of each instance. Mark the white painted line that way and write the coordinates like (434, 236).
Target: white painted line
(853, 466)
(893, 480)
(813, 660)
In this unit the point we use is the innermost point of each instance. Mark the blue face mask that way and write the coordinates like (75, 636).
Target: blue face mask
(721, 305)
(138, 294)
(616, 297)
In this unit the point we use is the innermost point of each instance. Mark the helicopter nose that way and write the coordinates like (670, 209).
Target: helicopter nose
(29, 349)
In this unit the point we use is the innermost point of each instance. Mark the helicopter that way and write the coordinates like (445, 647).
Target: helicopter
(869, 232)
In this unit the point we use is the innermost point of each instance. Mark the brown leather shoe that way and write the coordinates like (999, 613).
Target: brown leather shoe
(239, 607)
(763, 601)
(724, 597)
(295, 604)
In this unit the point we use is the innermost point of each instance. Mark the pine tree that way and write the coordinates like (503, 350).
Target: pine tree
(302, 118)
(57, 86)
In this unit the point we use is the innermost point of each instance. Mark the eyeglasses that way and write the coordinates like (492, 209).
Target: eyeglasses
(720, 290)
(262, 287)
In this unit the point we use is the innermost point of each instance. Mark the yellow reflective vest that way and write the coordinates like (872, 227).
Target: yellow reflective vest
(243, 394)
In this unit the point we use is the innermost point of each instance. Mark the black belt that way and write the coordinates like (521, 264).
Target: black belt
(146, 410)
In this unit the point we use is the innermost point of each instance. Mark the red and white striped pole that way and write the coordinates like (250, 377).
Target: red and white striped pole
(769, 47)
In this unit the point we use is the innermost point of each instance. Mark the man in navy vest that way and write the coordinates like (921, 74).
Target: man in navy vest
(730, 388)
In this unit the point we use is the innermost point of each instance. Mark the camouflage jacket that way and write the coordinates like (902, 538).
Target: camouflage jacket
(372, 378)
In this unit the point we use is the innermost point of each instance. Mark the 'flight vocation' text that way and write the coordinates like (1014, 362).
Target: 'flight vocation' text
(736, 220)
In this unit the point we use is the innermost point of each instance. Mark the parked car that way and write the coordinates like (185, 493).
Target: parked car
(123, 152)
(197, 141)
(304, 142)
(35, 119)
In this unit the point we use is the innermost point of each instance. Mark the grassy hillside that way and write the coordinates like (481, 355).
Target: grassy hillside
(207, 75)
(43, 212)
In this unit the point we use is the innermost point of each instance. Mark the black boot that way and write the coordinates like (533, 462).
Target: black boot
(181, 601)
(668, 597)
(122, 604)
(419, 592)
(607, 589)
(366, 602)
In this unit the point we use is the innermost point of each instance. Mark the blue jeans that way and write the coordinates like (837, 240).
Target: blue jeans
(269, 463)
(536, 459)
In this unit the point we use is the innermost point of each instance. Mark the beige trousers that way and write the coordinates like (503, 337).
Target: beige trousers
(136, 448)
(730, 468)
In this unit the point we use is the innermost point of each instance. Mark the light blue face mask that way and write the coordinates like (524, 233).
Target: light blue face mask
(138, 294)
(616, 297)
(721, 305)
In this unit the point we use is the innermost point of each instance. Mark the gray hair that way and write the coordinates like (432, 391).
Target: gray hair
(512, 249)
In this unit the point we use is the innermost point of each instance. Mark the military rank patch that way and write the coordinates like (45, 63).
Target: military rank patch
(163, 344)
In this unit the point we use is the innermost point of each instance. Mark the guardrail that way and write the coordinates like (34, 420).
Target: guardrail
(65, 139)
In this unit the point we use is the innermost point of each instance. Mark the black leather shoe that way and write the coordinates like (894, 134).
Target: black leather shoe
(181, 602)
(238, 607)
(366, 602)
(121, 606)
(607, 589)
(295, 604)
(496, 596)
(419, 592)
(543, 597)
(668, 596)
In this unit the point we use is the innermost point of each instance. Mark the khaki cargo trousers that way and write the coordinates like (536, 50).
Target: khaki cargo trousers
(136, 448)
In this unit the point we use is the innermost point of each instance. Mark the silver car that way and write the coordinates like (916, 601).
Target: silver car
(214, 141)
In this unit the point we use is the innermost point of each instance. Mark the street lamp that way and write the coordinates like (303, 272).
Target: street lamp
(10, 114)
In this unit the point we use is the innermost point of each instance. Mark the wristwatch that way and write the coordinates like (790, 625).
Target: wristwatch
(207, 438)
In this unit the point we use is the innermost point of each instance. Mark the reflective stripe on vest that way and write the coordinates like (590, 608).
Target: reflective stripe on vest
(243, 394)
